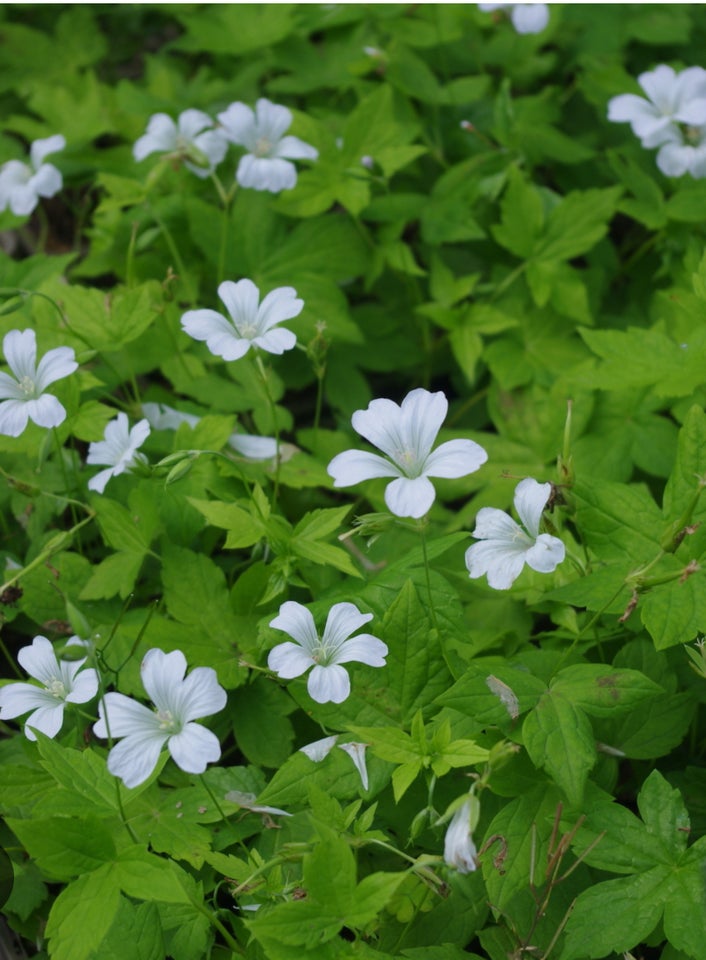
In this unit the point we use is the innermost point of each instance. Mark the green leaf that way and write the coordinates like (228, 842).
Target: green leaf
(477, 693)
(603, 691)
(559, 739)
(261, 725)
(119, 528)
(64, 847)
(82, 915)
(577, 223)
(138, 925)
(244, 530)
(81, 772)
(114, 575)
(145, 876)
(663, 811)
(522, 217)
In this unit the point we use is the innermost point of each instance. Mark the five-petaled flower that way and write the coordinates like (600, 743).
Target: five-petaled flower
(406, 434)
(118, 450)
(22, 184)
(505, 547)
(525, 17)
(63, 682)
(178, 701)
(328, 681)
(251, 323)
(23, 397)
(190, 140)
(266, 165)
(459, 849)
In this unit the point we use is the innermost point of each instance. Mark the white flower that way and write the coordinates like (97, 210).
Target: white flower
(459, 849)
(178, 701)
(319, 749)
(251, 323)
(683, 152)
(356, 751)
(328, 681)
(406, 434)
(62, 681)
(22, 184)
(525, 17)
(253, 448)
(118, 449)
(673, 99)
(23, 397)
(266, 165)
(162, 417)
(190, 140)
(506, 547)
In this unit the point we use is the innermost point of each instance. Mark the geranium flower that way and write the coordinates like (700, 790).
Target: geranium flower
(23, 397)
(178, 701)
(118, 449)
(22, 184)
(251, 323)
(459, 849)
(63, 682)
(406, 435)
(320, 749)
(266, 165)
(328, 681)
(683, 151)
(506, 547)
(525, 17)
(672, 99)
(191, 140)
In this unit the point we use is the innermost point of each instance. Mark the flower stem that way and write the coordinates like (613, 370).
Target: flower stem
(212, 796)
(174, 250)
(273, 409)
(216, 923)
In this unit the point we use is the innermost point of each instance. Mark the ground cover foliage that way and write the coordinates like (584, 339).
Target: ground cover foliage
(524, 775)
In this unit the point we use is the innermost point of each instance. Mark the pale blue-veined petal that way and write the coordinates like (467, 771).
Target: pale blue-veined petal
(194, 747)
(329, 684)
(530, 500)
(410, 498)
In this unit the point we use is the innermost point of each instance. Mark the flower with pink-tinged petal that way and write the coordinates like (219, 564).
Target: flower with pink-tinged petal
(118, 449)
(505, 547)
(23, 397)
(178, 701)
(22, 184)
(406, 434)
(251, 323)
(328, 681)
(191, 140)
(266, 165)
(62, 682)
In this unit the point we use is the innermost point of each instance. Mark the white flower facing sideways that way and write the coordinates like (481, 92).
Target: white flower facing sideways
(505, 547)
(328, 681)
(62, 682)
(525, 17)
(160, 416)
(459, 849)
(178, 701)
(320, 749)
(192, 140)
(118, 450)
(251, 323)
(406, 434)
(23, 396)
(261, 131)
(22, 184)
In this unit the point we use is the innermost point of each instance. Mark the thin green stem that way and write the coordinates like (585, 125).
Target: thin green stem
(174, 250)
(216, 923)
(317, 408)
(273, 409)
(212, 796)
(423, 535)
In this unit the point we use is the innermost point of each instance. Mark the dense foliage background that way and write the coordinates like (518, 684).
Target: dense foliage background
(473, 224)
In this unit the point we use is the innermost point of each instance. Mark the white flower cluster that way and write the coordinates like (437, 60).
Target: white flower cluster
(201, 144)
(22, 184)
(673, 118)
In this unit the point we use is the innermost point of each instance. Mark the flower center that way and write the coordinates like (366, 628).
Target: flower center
(692, 135)
(322, 654)
(248, 330)
(407, 461)
(167, 722)
(262, 147)
(57, 688)
(28, 386)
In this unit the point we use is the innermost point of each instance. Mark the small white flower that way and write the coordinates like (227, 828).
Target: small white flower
(506, 547)
(683, 151)
(319, 749)
(328, 681)
(253, 448)
(118, 449)
(406, 435)
(266, 165)
(459, 849)
(356, 751)
(190, 140)
(178, 701)
(672, 99)
(251, 323)
(22, 184)
(525, 17)
(162, 417)
(62, 681)
(23, 397)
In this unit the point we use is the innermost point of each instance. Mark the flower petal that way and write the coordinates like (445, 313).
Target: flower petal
(546, 555)
(365, 648)
(296, 620)
(343, 620)
(266, 173)
(530, 500)
(41, 149)
(627, 108)
(19, 698)
(48, 720)
(46, 411)
(356, 751)
(289, 660)
(39, 661)
(253, 448)
(84, 687)
(673, 159)
(242, 301)
(272, 119)
(201, 694)
(276, 341)
(330, 684)
(353, 466)
(381, 425)
(13, 417)
(238, 122)
(493, 524)
(455, 458)
(54, 365)
(280, 304)
(126, 718)
(162, 676)
(422, 414)
(194, 748)
(529, 17)
(501, 561)
(192, 122)
(20, 349)
(319, 749)
(161, 137)
(47, 181)
(292, 148)
(98, 483)
(135, 757)
(410, 498)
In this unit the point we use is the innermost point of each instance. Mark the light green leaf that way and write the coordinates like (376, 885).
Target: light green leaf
(559, 739)
(64, 847)
(82, 915)
(603, 691)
